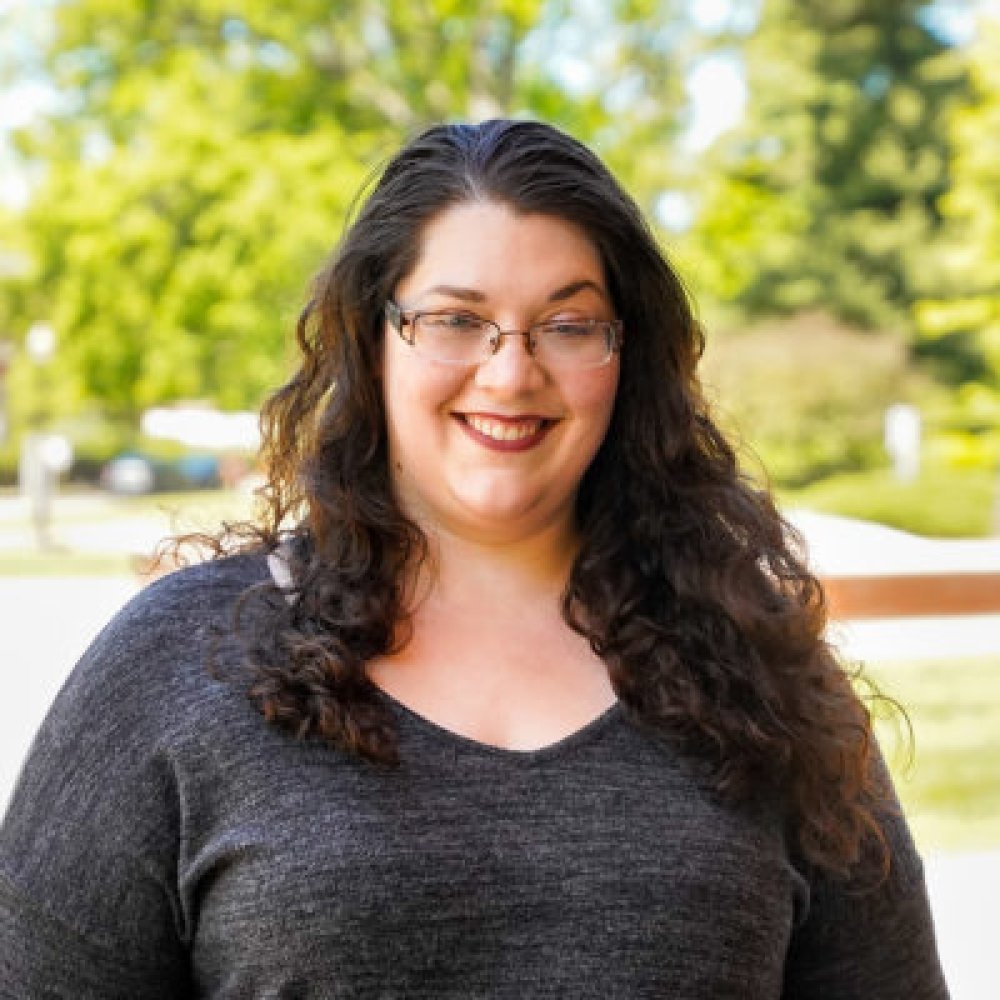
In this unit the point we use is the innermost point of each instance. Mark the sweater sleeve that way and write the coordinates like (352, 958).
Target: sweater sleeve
(89, 906)
(866, 940)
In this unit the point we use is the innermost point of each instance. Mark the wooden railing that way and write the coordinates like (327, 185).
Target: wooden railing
(901, 595)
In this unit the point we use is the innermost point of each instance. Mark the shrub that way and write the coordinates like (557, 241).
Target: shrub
(806, 395)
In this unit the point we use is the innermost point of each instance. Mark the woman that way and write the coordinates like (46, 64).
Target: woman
(538, 700)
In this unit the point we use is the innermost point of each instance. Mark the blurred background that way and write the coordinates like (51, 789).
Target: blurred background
(824, 173)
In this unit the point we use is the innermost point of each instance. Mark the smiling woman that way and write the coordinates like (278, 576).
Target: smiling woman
(518, 689)
(497, 446)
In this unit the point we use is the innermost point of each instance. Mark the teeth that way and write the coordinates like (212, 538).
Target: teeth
(503, 430)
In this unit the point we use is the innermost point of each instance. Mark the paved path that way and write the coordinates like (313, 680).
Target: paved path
(46, 625)
(843, 546)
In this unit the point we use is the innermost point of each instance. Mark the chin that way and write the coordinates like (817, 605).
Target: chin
(498, 515)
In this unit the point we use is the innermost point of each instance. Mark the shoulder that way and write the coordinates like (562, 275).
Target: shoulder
(144, 691)
(181, 607)
(151, 661)
(202, 589)
(89, 843)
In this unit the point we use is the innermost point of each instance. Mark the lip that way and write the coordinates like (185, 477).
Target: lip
(514, 444)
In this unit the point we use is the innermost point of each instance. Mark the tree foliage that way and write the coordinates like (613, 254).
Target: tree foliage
(205, 153)
(959, 322)
(965, 311)
(829, 193)
(202, 155)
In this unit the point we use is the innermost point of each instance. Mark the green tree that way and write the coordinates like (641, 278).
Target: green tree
(965, 312)
(204, 153)
(829, 194)
(959, 323)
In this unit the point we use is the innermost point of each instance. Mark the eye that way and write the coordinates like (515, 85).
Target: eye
(451, 322)
(569, 328)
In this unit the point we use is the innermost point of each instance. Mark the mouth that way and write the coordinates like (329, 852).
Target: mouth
(505, 433)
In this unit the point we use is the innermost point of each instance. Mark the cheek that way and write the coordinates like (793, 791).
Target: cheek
(594, 394)
(415, 395)
(427, 397)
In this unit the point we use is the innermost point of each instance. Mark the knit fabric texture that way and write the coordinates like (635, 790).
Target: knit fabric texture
(164, 841)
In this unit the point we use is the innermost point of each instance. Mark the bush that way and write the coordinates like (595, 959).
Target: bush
(806, 395)
(964, 428)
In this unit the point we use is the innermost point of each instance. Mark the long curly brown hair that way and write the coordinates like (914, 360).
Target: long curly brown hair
(688, 584)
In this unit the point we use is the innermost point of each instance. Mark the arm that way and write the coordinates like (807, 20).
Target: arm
(88, 901)
(860, 940)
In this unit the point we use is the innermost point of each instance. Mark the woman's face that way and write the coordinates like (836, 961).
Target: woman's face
(496, 450)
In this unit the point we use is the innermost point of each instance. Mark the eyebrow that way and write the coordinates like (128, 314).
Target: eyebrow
(559, 295)
(568, 291)
(469, 294)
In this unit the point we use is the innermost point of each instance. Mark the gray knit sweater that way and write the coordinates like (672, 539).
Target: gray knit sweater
(165, 842)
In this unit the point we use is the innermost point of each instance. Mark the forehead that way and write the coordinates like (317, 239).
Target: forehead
(494, 249)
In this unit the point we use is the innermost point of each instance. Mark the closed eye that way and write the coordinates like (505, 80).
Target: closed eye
(453, 322)
(570, 328)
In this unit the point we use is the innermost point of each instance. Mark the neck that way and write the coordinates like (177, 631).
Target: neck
(486, 573)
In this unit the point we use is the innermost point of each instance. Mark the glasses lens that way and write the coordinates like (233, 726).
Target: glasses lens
(464, 338)
(452, 336)
(584, 344)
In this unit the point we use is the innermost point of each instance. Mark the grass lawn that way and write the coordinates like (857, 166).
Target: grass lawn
(944, 503)
(58, 563)
(951, 787)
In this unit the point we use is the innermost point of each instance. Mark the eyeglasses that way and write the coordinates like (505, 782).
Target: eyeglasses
(462, 338)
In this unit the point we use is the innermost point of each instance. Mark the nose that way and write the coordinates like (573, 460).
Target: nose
(511, 368)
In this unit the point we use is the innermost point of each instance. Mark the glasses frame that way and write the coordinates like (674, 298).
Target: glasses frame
(399, 320)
